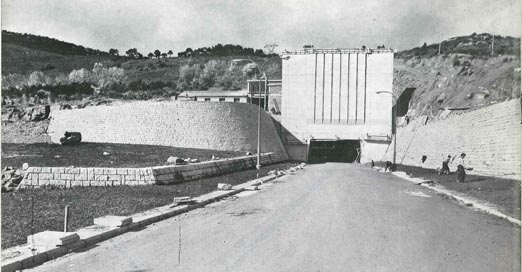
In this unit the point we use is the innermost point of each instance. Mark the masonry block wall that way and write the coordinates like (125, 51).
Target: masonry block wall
(205, 125)
(68, 177)
(85, 177)
(490, 137)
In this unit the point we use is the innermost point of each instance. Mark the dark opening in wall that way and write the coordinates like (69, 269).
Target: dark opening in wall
(333, 151)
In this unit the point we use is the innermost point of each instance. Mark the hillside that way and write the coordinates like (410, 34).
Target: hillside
(47, 44)
(478, 45)
(26, 53)
(463, 76)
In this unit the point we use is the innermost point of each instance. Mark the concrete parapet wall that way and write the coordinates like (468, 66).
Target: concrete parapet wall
(179, 173)
(490, 137)
(84, 177)
(189, 124)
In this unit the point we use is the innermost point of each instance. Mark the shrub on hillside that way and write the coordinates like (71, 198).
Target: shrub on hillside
(456, 62)
(55, 90)
(47, 67)
(77, 82)
(141, 85)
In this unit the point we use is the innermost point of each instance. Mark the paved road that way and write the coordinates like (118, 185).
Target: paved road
(328, 217)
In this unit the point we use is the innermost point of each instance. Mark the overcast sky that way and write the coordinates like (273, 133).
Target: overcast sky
(178, 24)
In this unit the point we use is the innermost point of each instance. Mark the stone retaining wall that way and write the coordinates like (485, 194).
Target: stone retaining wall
(490, 137)
(77, 176)
(189, 124)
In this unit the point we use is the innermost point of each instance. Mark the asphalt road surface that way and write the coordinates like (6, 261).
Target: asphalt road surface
(328, 217)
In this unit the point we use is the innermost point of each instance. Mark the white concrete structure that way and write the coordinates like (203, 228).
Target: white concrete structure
(329, 95)
(215, 96)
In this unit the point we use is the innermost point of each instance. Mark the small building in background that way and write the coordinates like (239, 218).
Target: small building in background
(215, 95)
(271, 99)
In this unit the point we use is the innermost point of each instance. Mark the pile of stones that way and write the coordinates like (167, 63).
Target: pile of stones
(11, 178)
(180, 161)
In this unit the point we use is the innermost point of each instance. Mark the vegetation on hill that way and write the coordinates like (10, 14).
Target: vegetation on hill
(474, 44)
(34, 65)
(49, 45)
(220, 50)
(465, 75)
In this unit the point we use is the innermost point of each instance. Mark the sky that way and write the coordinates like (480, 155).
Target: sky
(178, 24)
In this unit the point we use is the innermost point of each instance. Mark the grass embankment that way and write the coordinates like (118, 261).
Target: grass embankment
(503, 193)
(91, 155)
(87, 203)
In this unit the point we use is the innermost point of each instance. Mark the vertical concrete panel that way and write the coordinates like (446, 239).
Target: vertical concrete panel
(379, 79)
(373, 150)
(360, 89)
(336, 98)
(352, 88)
(321, 69)
(298, 92)
(343, 79)
(328, 90)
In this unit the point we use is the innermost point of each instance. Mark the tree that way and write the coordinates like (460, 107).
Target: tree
(157, 53)
(164, 55)
(150, 55)
(36, 78)
(259, 53)
(114, 52)
(170, 53)
(132, 53)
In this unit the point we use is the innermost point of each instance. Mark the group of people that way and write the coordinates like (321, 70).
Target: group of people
(461, 167)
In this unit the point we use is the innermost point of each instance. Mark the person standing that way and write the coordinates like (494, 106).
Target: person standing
(445, 168)
(461, 168)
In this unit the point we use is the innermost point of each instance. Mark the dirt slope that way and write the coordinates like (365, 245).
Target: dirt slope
(457, 81)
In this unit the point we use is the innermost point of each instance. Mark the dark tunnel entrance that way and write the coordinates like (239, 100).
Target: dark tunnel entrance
(333, 151)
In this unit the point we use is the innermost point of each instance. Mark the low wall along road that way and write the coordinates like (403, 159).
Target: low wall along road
(72, 177)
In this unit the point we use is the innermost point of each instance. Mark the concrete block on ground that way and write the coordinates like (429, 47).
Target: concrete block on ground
(183, 200)
(113, 221)
(50, 239)
(224, 186)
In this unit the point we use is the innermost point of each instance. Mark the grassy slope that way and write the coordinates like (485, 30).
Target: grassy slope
(91, 155)
(23, 60)
(88, 203)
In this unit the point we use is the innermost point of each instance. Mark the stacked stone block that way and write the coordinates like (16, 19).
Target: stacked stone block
(72, 177)
(491, 138)
(67, 177)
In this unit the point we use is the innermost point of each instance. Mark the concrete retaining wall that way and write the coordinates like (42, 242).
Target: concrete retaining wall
(72, 177)
(176, 174)
(491, 138)
(204, 125)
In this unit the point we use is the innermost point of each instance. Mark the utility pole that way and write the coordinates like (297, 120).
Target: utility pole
(270, 47)
(493, 45)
